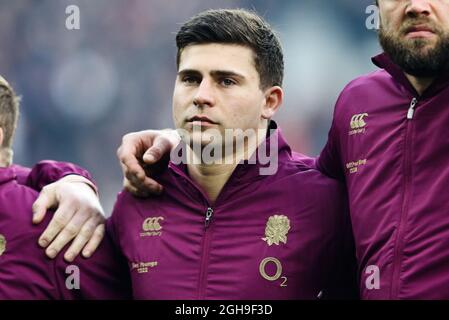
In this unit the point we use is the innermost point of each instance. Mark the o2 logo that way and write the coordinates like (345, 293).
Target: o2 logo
(278, 270)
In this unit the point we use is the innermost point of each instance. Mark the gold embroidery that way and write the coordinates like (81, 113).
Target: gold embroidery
(358, 123)
(152, 227)
(142, 267)
(264, 274)
(277, 229)
(354, 165)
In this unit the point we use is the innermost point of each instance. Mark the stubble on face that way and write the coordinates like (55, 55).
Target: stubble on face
(419, 57)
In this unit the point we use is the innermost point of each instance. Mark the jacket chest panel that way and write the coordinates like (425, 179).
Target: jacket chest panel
(246, 252)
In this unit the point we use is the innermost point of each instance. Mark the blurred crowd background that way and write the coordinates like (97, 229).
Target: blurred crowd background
(82, 90)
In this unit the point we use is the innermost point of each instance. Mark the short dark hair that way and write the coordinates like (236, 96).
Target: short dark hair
(9, 112)
(241, 27)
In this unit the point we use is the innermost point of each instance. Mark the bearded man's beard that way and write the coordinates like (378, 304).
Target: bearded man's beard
(411, 55)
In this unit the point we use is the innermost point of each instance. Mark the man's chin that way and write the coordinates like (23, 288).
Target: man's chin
(423, 57)
(423, 45)
(203, 139)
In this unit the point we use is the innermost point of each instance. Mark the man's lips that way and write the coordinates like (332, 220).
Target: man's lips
(419, 31)
(201, 119)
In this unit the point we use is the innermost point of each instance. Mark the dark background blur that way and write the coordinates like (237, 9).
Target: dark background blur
(83, 89)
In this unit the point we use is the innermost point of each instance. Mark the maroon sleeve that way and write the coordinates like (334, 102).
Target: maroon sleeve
(116, 221)
(46, 172)
(329, 161)
(104, 276)
(21, 173)
(341, 281)
(344, 284)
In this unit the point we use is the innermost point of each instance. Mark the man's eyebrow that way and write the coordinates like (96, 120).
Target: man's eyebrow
(226, 73)
(214, 73)
(188, 71)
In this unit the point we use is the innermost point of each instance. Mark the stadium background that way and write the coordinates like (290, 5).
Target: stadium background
(83, 89)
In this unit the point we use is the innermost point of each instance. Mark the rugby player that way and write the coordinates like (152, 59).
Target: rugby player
(225, 230)
(26, 272)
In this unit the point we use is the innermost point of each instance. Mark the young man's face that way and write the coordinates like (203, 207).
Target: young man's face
(217, 87)
(415, 33)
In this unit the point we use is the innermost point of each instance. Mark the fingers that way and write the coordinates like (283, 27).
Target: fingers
(136, 189)
(94, 241)
(67, 233)
(87, 234)
(152, 186)
(161, 147)
(132, 176)
(132, 168)
(77, 217)
(60, 219)
(45, 201)
(140, 187)
(131, 149)
(151, 146)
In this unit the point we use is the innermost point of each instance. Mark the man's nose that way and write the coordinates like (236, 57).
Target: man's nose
(417, 8)
(205, 94)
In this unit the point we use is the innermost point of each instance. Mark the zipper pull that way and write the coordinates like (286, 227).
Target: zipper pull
(411, 110)
(209, 214)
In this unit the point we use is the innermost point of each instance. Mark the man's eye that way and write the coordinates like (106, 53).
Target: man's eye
(190, 80)
(228, 82)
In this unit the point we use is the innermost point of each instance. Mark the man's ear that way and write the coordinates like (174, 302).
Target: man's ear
(273, 100)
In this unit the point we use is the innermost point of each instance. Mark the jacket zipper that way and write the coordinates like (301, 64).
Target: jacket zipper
(405, 203)
(205, 254)
(411, 109)
(208, 215)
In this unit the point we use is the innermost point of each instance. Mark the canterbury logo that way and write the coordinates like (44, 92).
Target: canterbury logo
(357, 121)
(152, 224)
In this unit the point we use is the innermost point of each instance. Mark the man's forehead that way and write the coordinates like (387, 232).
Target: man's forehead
(217, 56)
(216, 46)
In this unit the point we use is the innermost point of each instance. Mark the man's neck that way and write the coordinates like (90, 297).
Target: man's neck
(420, 84)
(213, 177)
